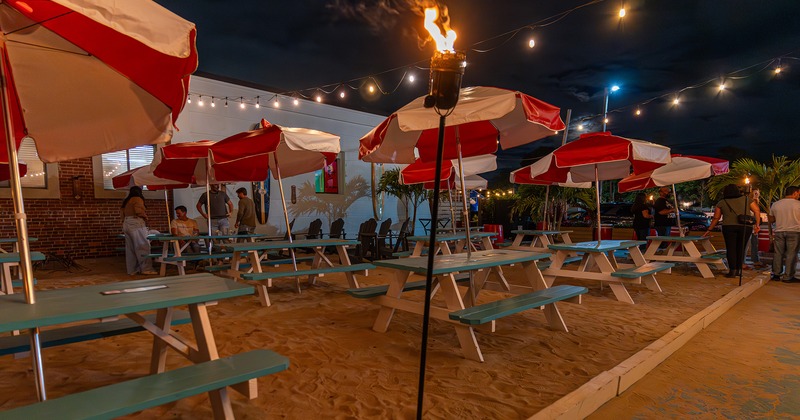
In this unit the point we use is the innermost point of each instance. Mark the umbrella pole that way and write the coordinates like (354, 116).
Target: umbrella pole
(426, 313)
(677, 210)
(545, 225)
(208, 208)
(465, 214)
(597, 195)
(166, 204)
(452, 210)
(20, 220)
(285, 212)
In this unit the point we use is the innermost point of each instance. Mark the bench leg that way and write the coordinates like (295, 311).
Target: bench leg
(554, 318)
(158, 357)
(605, 267)
(466, 335)
(395, 290)
(207, 347)
(621, 292)
(263, 295)
(344, 259)
(652, 284)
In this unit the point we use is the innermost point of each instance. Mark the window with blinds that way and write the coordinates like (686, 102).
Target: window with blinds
(116, 163)
(36, 176)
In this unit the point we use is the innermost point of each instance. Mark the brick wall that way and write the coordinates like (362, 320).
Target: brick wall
(84, 228)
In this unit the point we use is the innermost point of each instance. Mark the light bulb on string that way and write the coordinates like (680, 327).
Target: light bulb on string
(622, 12)
(371, 89)
(676, 101)
(531, 42)
(411, 78)
(580, 127)
(296, 102)
(722, 86)
(341, 94)
(605, 120)
(200, 102)
(188, 99)
(258, 102)
(213, 105)
(241, 102)
(276, 104)
(319, 98)
(638, 112)
(226, 102)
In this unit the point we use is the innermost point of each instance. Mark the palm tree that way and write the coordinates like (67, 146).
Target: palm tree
(531, 201)
(333, 206)
(407, 194)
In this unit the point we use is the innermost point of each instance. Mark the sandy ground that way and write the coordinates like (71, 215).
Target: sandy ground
(746, 365)
(340, 368)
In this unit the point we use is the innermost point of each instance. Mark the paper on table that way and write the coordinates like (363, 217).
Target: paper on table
(134, 290)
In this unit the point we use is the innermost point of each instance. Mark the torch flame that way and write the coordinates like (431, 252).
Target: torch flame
(444, 42)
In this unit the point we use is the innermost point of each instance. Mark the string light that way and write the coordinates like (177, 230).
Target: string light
(213, 105)
(188, 99)
(638, 112)
(200, 102)
(371, 89)
(296, 102)
(341, 94)
(531, 43)
(676, 101)
(276, 104)
(241, 102)
(319, 98)
(622, 12)
(722, 86)
(580, 127)
(226, 102)
(258, 102)
(411, 78)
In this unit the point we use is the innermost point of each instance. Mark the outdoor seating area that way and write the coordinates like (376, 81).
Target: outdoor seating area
(206, 223)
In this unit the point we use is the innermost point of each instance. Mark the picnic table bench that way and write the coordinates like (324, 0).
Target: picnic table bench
(9, 260)
(540, 239)
(684, 249)
(20, 344)
(134, 395)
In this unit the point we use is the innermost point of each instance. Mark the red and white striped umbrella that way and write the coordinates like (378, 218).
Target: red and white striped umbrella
(144, 177)
(5, 174)
(598, 157)
(419, 171)
(484, 118)
(683, 168)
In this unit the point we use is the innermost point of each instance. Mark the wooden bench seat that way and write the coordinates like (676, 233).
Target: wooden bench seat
(310, 272)
(274, 263)
(636, 272)
(77, 333)
(198, 257)
(134, 395)
(491, 311)
(380, 290)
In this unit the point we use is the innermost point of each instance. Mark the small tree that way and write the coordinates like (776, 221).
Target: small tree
(531, 201)
(407, 194)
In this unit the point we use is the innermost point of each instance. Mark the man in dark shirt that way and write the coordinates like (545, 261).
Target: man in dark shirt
(664, 214)
(246, 216)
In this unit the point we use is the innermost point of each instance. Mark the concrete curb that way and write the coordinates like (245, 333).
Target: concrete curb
(602, 388)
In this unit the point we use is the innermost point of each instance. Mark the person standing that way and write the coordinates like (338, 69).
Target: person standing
(641, 218)
(134, 225)
(221, 208)
(184, 226)
(787, 235)
(753, 244)
(246, 216)
(732, 205)
(664, 214)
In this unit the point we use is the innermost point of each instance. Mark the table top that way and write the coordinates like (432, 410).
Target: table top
(14, 240)
(444, 264)
(539, 232)
(452, 236)
(61, 306)
(594, 246)
(169, 237)
(298, 243)
(13, 257)
(692, 238)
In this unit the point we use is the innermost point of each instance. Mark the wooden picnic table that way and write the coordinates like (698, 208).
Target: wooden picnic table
(390, 297)
(459, 240)
(8, 261)
(599, 263)
(256, 252)
(62, 306)
(540, 240)
(173, 242)
(683, 249)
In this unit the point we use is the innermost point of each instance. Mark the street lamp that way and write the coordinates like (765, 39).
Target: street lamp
(606, 93)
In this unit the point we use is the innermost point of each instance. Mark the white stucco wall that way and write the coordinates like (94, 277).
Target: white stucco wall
(216, 123)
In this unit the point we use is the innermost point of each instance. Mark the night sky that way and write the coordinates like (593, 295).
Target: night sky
(657, 49)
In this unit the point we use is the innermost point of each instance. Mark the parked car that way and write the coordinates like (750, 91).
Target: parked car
(619, 215)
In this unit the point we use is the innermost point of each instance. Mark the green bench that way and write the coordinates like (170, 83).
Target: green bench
(134, 395)
(312, 273)
(543, 265)
(198, 257)
(380, 290)
(643, 270)
(487, 312)
(274, 263)
(718, 255)
(50, 338)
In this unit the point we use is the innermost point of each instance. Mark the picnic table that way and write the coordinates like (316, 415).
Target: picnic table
(256, 252)
(443, 221)
(598, 262)
(10, 260)
(459, 241)
(390, 297)
(540, 239)
(683, 249)
(179, 259)
(87, 303)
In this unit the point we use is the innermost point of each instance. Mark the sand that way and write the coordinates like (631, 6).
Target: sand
(340, 368)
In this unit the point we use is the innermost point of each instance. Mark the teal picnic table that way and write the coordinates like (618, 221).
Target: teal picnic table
(683, 249)
(10, 260)
(443, 241)
(540, 239)
(62, 306)
(391, 297)
(599, 263)
(178, 244)
(256, 253)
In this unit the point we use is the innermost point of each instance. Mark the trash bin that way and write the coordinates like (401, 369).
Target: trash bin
(497, 239)
(605, 232)
(763, 239)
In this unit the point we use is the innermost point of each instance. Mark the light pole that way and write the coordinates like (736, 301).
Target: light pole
(606, 93)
